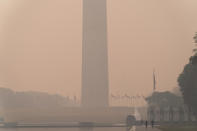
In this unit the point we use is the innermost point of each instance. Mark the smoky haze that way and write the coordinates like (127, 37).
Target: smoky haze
(42, 44)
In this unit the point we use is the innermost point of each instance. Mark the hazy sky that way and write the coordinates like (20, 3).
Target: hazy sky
(41, 44)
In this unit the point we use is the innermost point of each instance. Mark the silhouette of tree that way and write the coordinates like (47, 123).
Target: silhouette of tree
(164, 99)
(188, 81)
(10, 99)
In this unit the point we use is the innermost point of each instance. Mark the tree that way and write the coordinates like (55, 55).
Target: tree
(164, 99)
(187, 81)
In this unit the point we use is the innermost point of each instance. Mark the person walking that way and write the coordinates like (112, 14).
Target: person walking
(152, 123)
(146, 124)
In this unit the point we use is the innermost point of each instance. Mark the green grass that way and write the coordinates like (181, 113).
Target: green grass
(178, 128)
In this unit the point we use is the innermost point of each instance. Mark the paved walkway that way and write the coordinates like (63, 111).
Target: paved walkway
(143, 128)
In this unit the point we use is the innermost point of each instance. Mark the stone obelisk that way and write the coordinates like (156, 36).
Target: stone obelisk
(94, 54)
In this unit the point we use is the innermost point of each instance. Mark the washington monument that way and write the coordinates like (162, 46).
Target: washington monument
(94, 54)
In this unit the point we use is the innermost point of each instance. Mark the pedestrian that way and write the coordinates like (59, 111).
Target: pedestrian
(152, 123)
(146, 123)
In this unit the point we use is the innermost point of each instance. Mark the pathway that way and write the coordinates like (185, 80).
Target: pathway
(143, 128)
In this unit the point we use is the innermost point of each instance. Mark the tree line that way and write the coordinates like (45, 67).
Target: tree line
(187, 81)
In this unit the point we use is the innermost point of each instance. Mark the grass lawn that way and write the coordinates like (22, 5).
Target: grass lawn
(178, 128)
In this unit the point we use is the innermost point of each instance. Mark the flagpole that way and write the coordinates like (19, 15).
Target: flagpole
(154, 89)
(154, 81)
